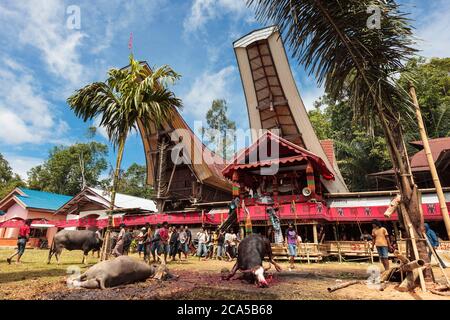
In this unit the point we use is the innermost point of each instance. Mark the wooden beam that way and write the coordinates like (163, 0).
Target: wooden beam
(266, 105)
(260, 55)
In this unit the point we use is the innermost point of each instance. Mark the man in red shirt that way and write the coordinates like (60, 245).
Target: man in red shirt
(163, 233)
(24, 234)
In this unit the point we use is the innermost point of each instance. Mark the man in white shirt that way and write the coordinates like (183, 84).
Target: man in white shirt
(231, 242)
(202, 237)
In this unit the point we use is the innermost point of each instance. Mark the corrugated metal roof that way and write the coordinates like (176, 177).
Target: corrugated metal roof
(41, 199)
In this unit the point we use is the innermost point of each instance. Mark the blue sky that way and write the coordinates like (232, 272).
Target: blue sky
(43, 62)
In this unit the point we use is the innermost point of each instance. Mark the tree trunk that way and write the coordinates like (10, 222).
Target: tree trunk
(405, 182)
(116, 172)
(106, 243)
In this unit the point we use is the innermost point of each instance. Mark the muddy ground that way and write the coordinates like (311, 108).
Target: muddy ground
(34, 279)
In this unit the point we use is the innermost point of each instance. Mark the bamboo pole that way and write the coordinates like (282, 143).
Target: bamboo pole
(315, 238)
(343, 285)
(433, 171)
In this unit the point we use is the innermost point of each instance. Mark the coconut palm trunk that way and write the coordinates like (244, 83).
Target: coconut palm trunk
(106, 246)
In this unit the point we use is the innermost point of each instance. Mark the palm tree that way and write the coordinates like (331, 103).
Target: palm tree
(128, 96)
(333, 40)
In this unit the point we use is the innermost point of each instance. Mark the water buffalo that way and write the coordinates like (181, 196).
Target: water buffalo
(251, 253)
(115, 272)
(85, 240)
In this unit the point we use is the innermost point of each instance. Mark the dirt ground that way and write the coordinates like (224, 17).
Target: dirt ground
(34, 279)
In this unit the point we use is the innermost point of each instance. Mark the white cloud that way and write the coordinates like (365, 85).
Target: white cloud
(433, 30)
(25, 115)
(116, 18)
(203, 11)
(206, 88)
(42, 25)
(22, 164)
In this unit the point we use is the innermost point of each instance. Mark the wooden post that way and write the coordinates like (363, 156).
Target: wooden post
(307, 253)
(434, 175)
(397, 235)
(413, 244)
(315, 238)
(338, 244)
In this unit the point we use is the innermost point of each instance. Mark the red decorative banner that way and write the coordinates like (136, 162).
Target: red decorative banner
(288, 211)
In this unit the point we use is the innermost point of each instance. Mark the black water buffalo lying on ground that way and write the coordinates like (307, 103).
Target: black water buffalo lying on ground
(118, 271)
(84, 240)
(251, 253)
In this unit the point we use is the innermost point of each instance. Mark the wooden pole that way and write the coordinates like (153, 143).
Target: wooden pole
(343, 285)
(338, 244)
(426, 147)
(315, 238)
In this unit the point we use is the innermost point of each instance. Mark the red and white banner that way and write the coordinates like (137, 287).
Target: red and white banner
(301, 211)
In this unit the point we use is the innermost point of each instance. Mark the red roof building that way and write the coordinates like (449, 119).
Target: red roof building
(440, 149)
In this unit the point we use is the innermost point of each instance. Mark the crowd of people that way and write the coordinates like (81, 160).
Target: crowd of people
(171, 243)
(163, 242)
(175, 243)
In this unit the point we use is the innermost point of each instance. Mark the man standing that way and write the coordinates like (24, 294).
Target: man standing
(164, 240)
(24, 235)
(220, 244)
(188, 241)
(182, 237)
(155, 244)
(141, 244)
(202, 237)
(380, 239)
(434, 241)
(174, 243)
(118, 249)
(431, 236)
(292, 239)
(231, 243)
(127, 239)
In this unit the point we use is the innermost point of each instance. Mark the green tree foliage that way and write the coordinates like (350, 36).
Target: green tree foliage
(6, 173)
(8, 179)
(219, 135)
(65, 168)
(359, 153)
(432, 81)
(131, 182)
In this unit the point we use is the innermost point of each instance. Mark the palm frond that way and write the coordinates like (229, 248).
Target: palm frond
(128, 95)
